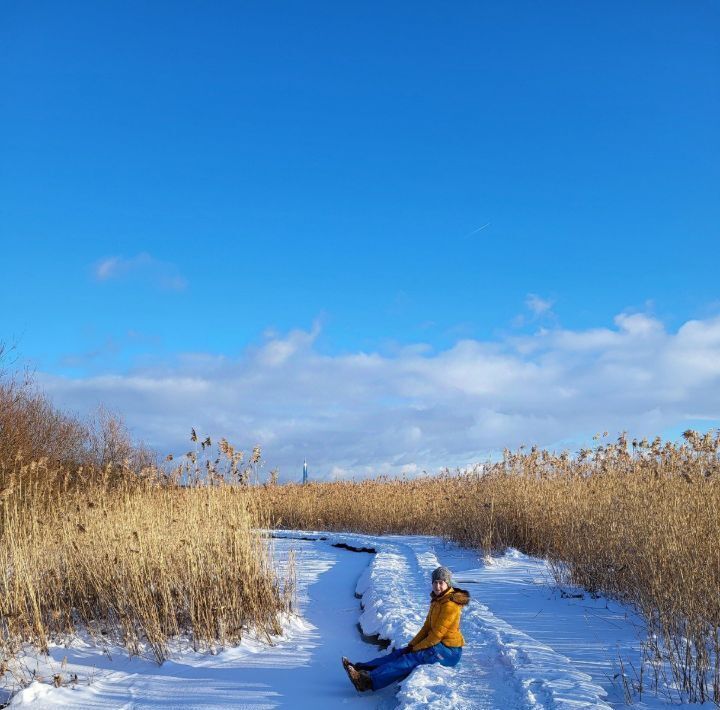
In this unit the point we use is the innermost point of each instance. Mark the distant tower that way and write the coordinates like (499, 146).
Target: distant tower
(304, 471)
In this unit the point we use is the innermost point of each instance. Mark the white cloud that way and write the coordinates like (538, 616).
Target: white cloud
(278, 351)
(416, 409)
(161, 274)
(639, 324)
(540, 309)
(538, 305)
(108, 268)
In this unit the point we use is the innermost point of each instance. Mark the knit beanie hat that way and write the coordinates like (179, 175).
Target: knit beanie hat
(442, 574)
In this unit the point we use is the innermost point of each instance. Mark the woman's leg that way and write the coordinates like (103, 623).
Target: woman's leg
(449, 655)
(400, 667)
(379, 661)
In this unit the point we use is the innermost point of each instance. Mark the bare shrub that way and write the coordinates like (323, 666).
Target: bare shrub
(33, 429)
(29, 424)
(109, 443)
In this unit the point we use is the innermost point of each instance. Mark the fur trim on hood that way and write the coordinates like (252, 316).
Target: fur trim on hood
(460, 596)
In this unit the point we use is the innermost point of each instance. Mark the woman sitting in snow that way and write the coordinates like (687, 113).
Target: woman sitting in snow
(438, 641)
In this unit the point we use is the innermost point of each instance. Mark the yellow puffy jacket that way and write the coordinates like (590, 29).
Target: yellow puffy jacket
(443, 620)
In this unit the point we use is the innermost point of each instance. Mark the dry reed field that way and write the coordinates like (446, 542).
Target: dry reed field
(95, 538)
(137, 563)
(638, 521)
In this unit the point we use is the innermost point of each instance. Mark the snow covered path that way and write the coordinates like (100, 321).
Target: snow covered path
(527, 648)
(303, 669)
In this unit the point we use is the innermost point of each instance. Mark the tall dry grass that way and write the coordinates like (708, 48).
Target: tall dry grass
(138, 563)
(134, 557)
(95, 536)
(638, 521)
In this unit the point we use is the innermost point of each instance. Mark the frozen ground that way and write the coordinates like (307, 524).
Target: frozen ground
(529, 644)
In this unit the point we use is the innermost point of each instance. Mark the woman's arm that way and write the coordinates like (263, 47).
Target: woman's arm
(423, 631)
(448, 616)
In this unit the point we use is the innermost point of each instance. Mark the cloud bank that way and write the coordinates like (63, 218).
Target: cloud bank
(417, 409)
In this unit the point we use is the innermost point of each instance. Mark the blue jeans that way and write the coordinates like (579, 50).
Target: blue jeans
(396, 666)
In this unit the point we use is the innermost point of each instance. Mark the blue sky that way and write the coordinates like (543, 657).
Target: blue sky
(196, 183)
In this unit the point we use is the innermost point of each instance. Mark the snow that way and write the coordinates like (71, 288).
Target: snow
(527, 645)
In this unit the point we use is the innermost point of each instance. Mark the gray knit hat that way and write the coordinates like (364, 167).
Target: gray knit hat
(442, 574)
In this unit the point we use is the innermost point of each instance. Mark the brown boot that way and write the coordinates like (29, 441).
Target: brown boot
(347, 666)
(360, 679)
